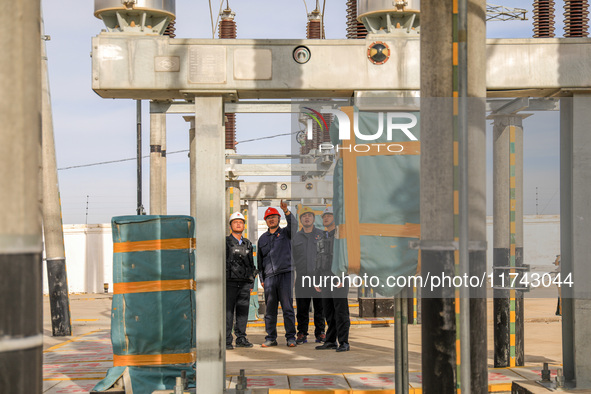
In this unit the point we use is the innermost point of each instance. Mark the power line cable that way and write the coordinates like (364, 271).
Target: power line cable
(323, 28)
(549, 201)
(211, 17)
(169, 153)
(219, 14)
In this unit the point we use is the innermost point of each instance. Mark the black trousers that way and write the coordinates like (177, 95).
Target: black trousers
(303, 313)
(237, 303)
(278, 289)
(336, 311)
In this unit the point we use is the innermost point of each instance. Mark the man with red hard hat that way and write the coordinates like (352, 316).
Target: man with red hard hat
(240, 273)
(276, 275)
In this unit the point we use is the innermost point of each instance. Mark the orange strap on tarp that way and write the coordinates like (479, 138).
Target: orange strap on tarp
(154, 285)
(153, 359)
(156, 244)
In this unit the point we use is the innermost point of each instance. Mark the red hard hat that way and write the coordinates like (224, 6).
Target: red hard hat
(271, 211)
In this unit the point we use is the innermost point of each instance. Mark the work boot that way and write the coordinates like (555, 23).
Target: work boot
(301, 338)
(243, 342)
(327, 345)
(269, 343)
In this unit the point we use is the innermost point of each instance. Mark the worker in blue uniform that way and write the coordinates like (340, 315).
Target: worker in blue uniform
(276, 275)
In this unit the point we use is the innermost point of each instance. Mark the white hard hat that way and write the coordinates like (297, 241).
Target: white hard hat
(328, 209)
(237, 215)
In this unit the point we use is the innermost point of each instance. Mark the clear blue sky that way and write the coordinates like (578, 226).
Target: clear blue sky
(89, 129)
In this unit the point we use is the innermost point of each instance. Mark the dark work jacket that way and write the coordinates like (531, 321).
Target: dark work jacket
(274, 251)
(239, 260)
(325, 253)
(304, 251)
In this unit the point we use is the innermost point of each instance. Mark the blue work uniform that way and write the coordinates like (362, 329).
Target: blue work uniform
(276, 272)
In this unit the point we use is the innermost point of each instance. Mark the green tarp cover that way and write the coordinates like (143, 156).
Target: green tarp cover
(388, 193)
(152, 322)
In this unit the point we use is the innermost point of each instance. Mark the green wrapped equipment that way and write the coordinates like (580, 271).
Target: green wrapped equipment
(376, 199)
(153, 309)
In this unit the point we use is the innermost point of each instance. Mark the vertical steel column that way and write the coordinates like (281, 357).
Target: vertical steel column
(253, 222)
(210, 221)
(404, 335)
(157, 163)
(55, 255)
(439, 203)
(21, 321)
(461, 187)
(140, 206)
(232, 200)
(401, 343)
(437, 216)
(476, 119)
(508, 239)
(398, 370)
(192, 169)
(576, 219)
(566, 236)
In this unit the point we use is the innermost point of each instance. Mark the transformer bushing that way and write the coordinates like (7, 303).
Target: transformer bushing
(544, 18)
(314, 28)
(355, 29)
(227, 30)
(150, 17)
(576, 18)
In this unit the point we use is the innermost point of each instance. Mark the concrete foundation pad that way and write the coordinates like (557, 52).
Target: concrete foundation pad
(500, 379)
(365, 381)
(318, 382)
(530, 373)
(528, 387)
(263, 381)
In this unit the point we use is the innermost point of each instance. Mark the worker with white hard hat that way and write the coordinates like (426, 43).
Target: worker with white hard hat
(240, 274)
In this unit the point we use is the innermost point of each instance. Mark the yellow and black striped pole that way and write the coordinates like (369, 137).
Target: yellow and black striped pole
(508, 240)
(449, 51)
(512, 230)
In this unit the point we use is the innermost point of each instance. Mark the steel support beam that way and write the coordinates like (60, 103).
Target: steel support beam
(118, 73)
(210, 223)
(440, 362)
(192, 165)
(55, 254)
(286, 190)
(158, 195)
(21, 301)
(232, 200)
(575, 223)
(236, 170)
